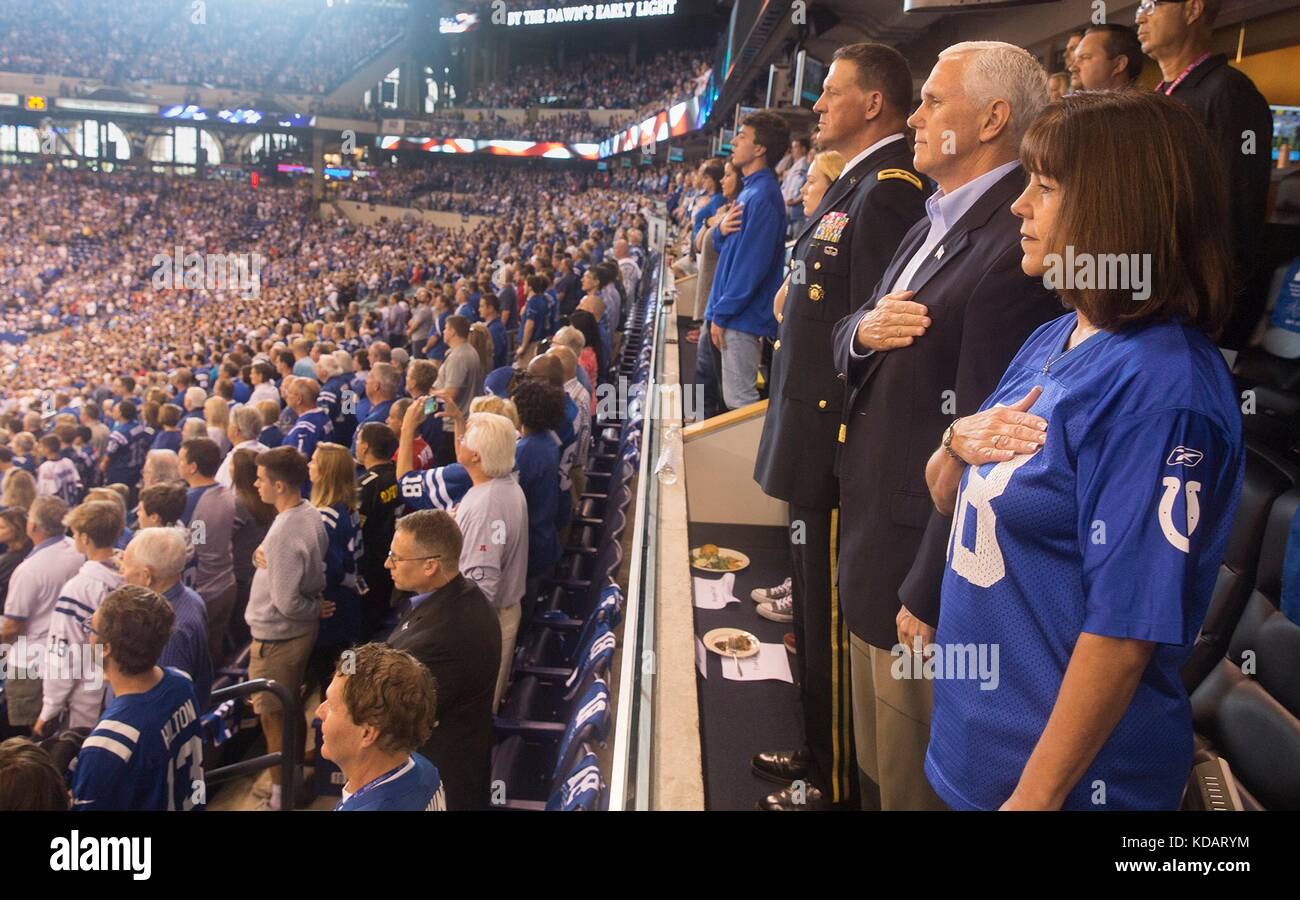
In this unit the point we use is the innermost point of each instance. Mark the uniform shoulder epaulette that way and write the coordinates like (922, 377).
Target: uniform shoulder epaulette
(901, 175)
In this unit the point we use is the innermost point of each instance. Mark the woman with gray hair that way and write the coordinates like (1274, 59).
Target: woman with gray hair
(161, 466)
(245, 426)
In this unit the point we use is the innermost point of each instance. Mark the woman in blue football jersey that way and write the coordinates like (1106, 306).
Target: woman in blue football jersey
(335, 495)
(536, 317)
(1093, 494)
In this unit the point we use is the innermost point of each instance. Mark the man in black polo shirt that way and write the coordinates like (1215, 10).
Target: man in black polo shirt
(1177, 35)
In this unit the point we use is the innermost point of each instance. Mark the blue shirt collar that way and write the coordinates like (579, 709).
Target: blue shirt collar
(420, 598)
(945, 210)
(48, 542)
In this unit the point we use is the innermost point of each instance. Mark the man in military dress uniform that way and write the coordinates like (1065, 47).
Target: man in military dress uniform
(839, 256)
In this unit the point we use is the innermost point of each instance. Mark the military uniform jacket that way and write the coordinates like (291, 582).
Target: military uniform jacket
(839, 256)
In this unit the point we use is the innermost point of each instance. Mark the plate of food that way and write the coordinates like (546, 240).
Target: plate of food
(731, 642)
(712, 558)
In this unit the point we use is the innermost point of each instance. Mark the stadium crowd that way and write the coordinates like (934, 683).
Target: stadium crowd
(570, 126)
(479, 187)
(228, 465)
(349, 433)
(305, 46)
(598, 81)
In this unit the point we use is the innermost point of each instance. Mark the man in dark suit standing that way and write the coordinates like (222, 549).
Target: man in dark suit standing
(452, 629)
(1179, 37)
(839, 255)
(949, 313)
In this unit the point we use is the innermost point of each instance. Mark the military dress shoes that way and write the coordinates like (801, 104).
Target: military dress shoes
(797, 798)
(781, 766)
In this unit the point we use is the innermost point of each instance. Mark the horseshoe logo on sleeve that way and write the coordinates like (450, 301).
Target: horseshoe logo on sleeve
(1172, 534)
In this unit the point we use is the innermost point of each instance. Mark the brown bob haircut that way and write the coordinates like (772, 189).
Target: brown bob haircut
(1138, 176)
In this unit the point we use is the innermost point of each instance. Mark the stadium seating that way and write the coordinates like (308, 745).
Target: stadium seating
(557, 700)
(1267, 478)
(1247, 708)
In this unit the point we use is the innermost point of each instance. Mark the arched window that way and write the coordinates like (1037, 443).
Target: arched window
(184, 146)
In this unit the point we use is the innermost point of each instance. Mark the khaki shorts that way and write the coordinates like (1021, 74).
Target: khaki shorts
(282, 661)
(24, 697)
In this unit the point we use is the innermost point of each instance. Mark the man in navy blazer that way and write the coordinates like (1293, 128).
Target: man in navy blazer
(931, 343)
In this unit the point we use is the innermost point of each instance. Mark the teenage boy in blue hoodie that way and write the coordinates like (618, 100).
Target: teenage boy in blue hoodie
(751, 252)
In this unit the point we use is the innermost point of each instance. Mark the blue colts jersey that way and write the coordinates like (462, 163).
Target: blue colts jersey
(312, 427)
(1115, 527)
(441, 487)
(128, 445)
(146, 752)
(412, 787)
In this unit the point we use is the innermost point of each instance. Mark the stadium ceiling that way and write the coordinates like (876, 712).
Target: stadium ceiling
(919, 35)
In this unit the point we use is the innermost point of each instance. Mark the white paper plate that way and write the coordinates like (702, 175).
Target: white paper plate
(724, 552)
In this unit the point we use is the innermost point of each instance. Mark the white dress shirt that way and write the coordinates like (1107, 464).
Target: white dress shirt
(943, 210)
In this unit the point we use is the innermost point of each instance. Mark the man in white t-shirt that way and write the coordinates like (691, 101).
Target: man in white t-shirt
(33, 591)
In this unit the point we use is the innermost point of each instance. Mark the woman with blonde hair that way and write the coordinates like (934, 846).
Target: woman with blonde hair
(216, 412)
(19, 489)
(822, 172)
(490, 403)
(481, 340)
(335, 495)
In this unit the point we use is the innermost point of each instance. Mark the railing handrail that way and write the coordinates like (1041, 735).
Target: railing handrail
(628, 684)
(289, 758)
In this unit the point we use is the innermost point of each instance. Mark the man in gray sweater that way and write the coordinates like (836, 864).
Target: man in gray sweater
(284, 603)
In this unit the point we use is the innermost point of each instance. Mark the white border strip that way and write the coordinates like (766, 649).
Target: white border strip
(631, 661)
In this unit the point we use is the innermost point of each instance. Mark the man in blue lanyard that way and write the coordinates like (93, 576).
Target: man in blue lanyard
(378, 709)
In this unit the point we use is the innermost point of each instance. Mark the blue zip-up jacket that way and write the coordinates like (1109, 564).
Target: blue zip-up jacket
(750, 261)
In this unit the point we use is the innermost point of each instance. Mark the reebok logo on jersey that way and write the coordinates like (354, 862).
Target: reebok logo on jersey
(1184, 456)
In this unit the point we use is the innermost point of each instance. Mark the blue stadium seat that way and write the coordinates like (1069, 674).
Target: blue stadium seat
(528, 765)
(1247, 709)
(582, 790)
(547, 695)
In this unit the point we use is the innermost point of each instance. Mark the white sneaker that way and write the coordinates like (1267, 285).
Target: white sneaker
(780, 610)
(767, 595)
